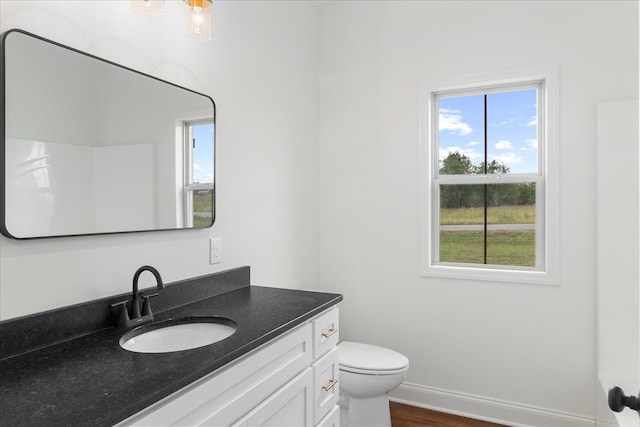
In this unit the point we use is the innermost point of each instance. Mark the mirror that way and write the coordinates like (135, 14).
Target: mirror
(91, 147)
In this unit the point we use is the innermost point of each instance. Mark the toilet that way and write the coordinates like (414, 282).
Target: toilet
(367, 374)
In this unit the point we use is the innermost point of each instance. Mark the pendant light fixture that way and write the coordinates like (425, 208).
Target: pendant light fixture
(198, 20)
(197, 15)
(147, 7)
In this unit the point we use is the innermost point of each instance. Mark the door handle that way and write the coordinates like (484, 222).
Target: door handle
(618, 401)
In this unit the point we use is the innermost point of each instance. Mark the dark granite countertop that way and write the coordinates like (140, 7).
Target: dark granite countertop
(91, 381)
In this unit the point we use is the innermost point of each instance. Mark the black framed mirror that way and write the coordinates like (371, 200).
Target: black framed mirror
(90, 147)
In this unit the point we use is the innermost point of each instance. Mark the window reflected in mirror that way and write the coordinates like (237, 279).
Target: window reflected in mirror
(198, 177)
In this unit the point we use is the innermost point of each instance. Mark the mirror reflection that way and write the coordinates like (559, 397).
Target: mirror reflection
(91, 147)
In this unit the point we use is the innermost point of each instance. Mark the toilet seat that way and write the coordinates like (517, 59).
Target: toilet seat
(370, 359)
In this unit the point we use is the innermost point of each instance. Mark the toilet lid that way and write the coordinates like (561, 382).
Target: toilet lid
(366, 357)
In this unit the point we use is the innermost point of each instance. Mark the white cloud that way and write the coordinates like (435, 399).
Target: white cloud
(451, 120)
(509, 158)
(473, 143)
(533, 121)
(504, 145)
(201, 174)
(532, 143)
(469, 152)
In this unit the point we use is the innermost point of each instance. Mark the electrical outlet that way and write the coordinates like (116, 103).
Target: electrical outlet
(215, 250)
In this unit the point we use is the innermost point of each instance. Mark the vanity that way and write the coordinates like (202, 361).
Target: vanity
(292, 380)
(279, 368)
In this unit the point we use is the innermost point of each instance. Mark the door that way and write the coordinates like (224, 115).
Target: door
(618, 255)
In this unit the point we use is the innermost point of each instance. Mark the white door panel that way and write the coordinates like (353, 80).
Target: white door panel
(618, 258)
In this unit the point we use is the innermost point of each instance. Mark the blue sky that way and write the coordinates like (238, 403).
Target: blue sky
(511, 128)
(203, 153)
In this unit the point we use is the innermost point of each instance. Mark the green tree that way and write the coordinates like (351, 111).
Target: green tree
(457, 164)
(459, 196)
(526, 194)
(492, 168)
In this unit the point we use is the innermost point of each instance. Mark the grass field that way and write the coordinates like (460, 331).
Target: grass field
(520, 214)
(202, 203)
(512, 247)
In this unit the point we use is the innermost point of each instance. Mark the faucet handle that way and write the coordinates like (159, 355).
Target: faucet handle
(146, 305)
(123, 315)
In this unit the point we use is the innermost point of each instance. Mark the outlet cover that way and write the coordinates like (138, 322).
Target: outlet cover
(215, 250)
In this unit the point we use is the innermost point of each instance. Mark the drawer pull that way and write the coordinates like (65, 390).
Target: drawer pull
(329, 386)
(329, 333)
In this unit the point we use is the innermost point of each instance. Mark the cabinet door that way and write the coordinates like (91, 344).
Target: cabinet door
(290, 406)
(326, 387)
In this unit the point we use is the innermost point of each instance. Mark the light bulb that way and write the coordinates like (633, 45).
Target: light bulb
(199, 19)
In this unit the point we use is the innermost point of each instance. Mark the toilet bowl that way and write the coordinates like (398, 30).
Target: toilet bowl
(367, 374)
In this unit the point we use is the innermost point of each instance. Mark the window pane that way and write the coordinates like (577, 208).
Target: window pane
(511, 136)
(202, 166)
(202, 208)
(460, 133)
(511, 219)
(510, 224)
(512, 131)
(462, 223)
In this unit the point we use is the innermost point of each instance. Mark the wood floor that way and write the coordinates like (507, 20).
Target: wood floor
(410, 416)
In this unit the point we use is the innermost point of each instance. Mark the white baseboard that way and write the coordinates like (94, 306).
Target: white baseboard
(486, 409)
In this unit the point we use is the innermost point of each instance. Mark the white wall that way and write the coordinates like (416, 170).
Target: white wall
(260, 68)
(521, 353)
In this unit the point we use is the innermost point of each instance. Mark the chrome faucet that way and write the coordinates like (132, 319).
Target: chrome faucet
(136, 317)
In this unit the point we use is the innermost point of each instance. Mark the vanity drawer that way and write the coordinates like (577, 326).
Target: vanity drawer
(326, 387)
(325, 332)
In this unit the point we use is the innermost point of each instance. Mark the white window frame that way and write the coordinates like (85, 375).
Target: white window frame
(547, 184)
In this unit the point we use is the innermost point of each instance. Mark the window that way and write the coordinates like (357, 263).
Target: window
(489, 196)
(198, 173)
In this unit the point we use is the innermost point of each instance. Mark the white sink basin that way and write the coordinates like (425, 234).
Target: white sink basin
(177, 334)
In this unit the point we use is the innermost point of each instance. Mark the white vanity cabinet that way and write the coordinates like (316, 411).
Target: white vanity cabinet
(289, 381)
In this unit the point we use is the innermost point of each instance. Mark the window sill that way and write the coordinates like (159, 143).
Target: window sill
(526, 276)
